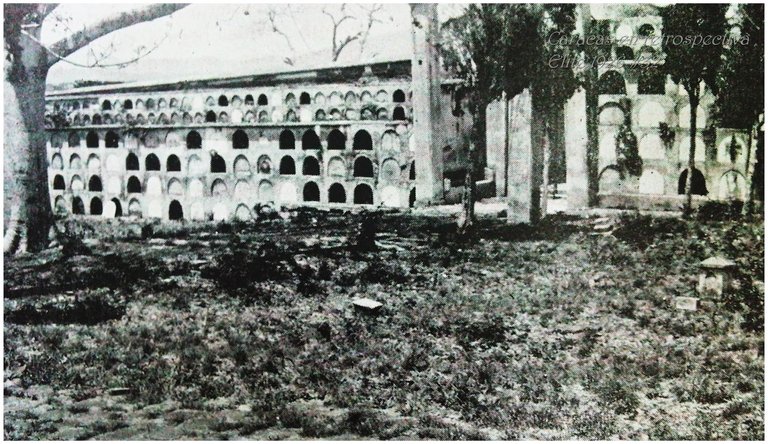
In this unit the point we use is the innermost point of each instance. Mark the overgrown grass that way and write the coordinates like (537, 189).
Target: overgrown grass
(548, 334)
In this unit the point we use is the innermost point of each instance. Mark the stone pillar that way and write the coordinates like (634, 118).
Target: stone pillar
(576, 176)
(425, 79)
(524, 175)
(495, 143)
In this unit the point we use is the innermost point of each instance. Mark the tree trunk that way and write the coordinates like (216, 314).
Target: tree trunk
(28, 218)
(748, 202)
(694, 103)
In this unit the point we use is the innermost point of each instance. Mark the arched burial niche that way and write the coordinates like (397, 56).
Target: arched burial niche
(698, 183)
(310, 167)
(310, 141)
(287, 140)
(336, 194)
(217, 164)
(58, 182)
(398, 113)
(240, 140)
(336, 140)
(362, 141)
(116, 208)
(134, 208)
(111, 140)
(57, 162)
(173, 163)
(363, 195)
(287, 165)
(363, 167)
(194, 141)
(77, 206)
(134, 185)
(131, 162)
(311, 192)
(398, 96)
(223, 101)
(611, 82)
(60, 206)
(305, 99)
(96, 207)
(92, 140)
(175, 212)
(94, 184)
(152, 163)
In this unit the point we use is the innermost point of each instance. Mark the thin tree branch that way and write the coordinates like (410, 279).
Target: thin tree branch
(68, 45)
(96, 64)
(376, 7)
(272, 16)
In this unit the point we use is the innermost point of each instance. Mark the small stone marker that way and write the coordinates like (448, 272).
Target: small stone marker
(715, 276)
(117, 391)
(685, 303)
(366, 305)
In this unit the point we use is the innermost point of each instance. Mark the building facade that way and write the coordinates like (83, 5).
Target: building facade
(218, 149)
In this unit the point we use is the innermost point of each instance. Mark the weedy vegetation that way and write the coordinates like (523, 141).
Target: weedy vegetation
(246, 330)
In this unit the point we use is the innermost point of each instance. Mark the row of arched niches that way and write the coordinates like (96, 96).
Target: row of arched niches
(226, 204)
(383, 105)
(388, 138)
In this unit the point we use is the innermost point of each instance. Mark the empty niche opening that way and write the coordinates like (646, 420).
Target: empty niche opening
(310, 141)
(173, 163)
(363, 167)
(58, 182)
(94, 184)
(134, 185)
(131, 162)
(310, 167)
(210, 117)
(118, 207)
(152, 163)
(412, 172)
(287, 165)
(363, 195)
(362, 141)
(311, 192)
(223, 101)
(263, 100)
(217, 164)
(304, 99)
(96, 207)
(77, 206)
(194, 141)
(336, 140)
(175, 211)
(698, 183)
(240, 140)
(287, 140)
(398, 96)
(336, 194)
(398, 113)
(92, 140)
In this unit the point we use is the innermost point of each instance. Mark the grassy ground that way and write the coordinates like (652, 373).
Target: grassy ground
(248, 331)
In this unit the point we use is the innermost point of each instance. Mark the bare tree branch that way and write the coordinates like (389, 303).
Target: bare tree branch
(272, 17)
(68, 45)
(339, 46)
(371, 19)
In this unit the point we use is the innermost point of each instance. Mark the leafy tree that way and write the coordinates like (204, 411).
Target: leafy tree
(499, 50)
(27, 217)
(742, 91)
(690, 64)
